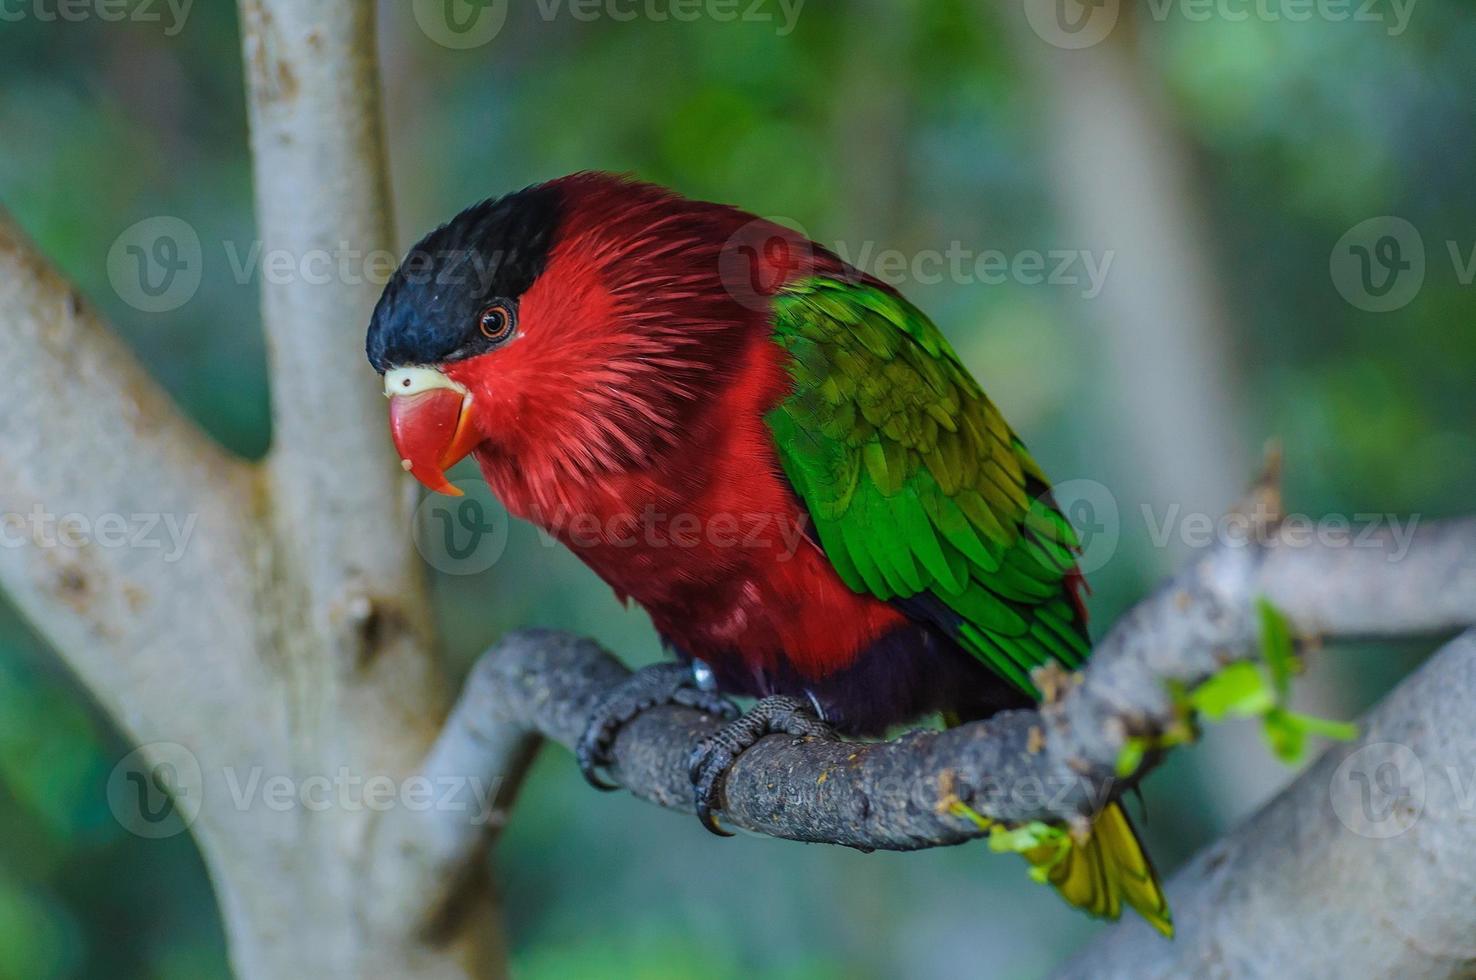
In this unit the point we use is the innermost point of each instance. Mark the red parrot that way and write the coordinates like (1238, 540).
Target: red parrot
(775, 454)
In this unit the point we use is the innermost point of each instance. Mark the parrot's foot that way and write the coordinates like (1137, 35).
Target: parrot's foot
(664, 683)
(715, 755)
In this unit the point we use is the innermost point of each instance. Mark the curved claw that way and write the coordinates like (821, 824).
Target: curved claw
(707, 819)
(663, 683)
(591, 752)
(715, 755)
(710, 764)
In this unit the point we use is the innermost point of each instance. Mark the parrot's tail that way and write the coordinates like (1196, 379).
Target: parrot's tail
(1108, 869)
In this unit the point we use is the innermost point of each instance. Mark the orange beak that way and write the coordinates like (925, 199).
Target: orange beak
(432, 421)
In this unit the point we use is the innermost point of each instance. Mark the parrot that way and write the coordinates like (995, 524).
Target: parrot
(772, 452)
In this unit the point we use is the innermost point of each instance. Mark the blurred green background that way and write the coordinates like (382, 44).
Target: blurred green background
(876, 124)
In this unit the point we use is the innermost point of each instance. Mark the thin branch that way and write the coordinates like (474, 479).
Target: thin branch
(1055, 763)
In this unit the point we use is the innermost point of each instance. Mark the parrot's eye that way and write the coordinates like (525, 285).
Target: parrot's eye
(496, 322)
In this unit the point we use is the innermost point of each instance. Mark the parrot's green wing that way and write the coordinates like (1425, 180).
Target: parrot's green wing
(921, 495)
(918, 490)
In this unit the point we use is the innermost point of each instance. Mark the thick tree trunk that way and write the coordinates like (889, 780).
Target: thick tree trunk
(291, 639)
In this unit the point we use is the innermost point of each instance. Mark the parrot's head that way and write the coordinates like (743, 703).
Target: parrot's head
(571, 327)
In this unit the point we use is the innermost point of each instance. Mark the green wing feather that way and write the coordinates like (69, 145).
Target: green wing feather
(914, 481)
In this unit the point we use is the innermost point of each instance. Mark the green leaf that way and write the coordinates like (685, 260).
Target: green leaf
(1288, 741)
(1026, 837)
(1288, 731)
(1131, 756)
(1339, 731)
(1276, 647)
(1244, 690)
(961, 809)
(1240, 690)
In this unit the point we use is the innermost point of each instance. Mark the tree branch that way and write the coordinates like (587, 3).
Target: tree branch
(1055, 763)
(340, 500)
(159, 626)
(347, 582)
(1365, 866)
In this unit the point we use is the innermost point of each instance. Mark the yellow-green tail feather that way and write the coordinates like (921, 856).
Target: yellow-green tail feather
(1106, 871)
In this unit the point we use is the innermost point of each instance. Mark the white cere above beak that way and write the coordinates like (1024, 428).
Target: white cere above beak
(414, 380)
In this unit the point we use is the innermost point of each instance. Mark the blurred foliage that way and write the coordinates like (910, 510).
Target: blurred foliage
(908, 137)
